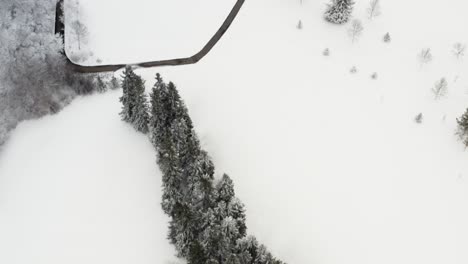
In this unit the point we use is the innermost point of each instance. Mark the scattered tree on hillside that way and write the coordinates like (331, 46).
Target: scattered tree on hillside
(299, 24)
(374, 76)
(425, 56)
(81, 32)
(355, 30)
(353, 69)
(462, 129)
(339, 11)
(419, 118)
(440, 88)
(459, 50)
(326, 52)
(387, 38)
(374, 9)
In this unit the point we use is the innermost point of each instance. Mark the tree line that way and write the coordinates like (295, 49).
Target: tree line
(207, 220)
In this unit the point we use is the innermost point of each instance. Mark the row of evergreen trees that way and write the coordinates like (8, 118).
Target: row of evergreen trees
(207, 220)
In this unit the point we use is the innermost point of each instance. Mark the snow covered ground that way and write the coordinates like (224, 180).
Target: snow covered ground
(331, 165)
(81, 187)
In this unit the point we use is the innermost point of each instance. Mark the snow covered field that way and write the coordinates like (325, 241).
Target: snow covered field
(81, 187)
(331, 165)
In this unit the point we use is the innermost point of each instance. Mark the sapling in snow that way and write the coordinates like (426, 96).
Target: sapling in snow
(80, 31)
(353, 69)
(440, 88)
(425, 56)
(374, 9)
(387, 38)
(326, 52)
(419, 118)
(459, 50)
(299, 24)
(355, 30)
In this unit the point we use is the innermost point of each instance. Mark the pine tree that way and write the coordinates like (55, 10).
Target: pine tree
(387, 38)
(339, 11)
(462, 130)
(131, 84)
(101, 86)
(114, 83)
(141, 115)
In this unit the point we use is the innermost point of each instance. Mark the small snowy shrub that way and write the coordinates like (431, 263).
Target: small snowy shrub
(425, 56)
(440, 88)
(419, 118)
(374, 76)
(355, 30)
(339, 11)
(299, 24)
(326, 52)
(387, 38)
(353, 69)
(459, 50)
(462, 129)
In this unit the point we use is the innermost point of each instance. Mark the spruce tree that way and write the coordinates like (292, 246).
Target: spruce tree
(339, 11)
(462, 130)
(101, 86)
(131, 83)
(141, 117)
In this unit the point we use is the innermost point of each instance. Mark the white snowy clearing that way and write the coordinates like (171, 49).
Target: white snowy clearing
(81, 187)
(331, 165)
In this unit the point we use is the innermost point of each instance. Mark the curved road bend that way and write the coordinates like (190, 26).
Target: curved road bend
(60, 29)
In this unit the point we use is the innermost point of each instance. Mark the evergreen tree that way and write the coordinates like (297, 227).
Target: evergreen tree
(462, 130)
(339, 11)
(101, 86)
(130, 81)
(387, 38)
(141, 116)
(114, 83)
(207, 220)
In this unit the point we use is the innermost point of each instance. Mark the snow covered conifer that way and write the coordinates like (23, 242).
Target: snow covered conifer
(127, 99)
(339, 11)
(299, 24)
(462, 130)
(387, 38)
(101, 87)
(141, 118)
(419, 118)
(114, 83)
(134, 103)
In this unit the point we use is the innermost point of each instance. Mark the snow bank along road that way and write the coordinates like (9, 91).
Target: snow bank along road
(60, 29)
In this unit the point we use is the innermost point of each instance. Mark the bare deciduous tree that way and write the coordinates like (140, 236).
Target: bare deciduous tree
(425, 56)
(459, 50)
(374, 9)
(440, 88)
(80, 31)
(356, 29)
